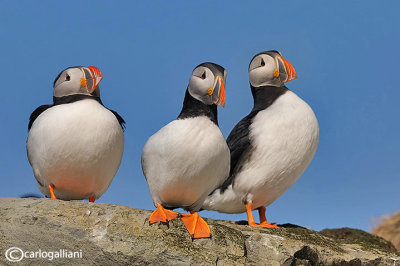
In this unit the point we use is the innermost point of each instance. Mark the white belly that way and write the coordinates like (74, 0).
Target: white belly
(184, 161)
(284, 139)
(77, 147)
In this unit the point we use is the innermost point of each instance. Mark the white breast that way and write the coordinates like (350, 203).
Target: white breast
(184, 161)
(284, 139)
(77, 147)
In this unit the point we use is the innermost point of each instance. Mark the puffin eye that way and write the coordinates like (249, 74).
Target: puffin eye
(262, 62)
(67, 78)
(204, 75)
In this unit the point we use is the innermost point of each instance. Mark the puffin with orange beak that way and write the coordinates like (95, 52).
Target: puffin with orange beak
(75, 145)
(271, 147)
(186, 159)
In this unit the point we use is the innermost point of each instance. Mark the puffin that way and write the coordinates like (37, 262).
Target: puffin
(186, 159)
(271, 147)
(75, 145)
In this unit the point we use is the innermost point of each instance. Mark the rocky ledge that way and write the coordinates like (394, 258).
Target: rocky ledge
(107, 234)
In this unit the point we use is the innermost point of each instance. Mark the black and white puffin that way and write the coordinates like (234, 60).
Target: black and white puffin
(186, 159)
(271, 147)
(75, 145)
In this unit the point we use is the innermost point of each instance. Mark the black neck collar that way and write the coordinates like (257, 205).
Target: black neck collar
(73, 98)
(193, 108)
(265, 96)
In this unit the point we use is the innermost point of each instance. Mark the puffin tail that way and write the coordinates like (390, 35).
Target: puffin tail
(226, 201)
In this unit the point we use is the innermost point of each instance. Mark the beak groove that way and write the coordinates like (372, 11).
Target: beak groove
(291, 73)
(95, 78)
(221, 94)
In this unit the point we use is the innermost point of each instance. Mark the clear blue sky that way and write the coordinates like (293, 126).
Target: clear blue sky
(346, 54)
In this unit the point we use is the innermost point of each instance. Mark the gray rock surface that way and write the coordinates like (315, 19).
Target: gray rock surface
(109, 234)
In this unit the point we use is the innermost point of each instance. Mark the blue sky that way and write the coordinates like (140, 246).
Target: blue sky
(346, 54)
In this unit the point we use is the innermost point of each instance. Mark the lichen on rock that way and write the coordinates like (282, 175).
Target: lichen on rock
(111, 234)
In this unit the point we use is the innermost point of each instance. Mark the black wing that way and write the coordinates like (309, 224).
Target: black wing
(238, 143)
(36, 113)
(121, 121)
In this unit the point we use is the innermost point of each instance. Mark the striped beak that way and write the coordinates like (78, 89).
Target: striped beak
(92, 78)
(289, 72)
(218, 92)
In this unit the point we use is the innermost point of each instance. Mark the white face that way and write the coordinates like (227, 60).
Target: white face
(261, 71)
(200, 82)
(75, 80)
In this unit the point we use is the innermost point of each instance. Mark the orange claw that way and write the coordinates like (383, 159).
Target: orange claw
(92, 199)
(162, 215)
(51, 189)
(263, 219)
(196, 226)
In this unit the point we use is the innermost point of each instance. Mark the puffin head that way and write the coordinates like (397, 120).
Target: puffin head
(270, 69)
(78, 80)
(207, 84)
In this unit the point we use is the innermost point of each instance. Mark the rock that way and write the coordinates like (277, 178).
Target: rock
(107, 234)
(389, 229)
(356, 236)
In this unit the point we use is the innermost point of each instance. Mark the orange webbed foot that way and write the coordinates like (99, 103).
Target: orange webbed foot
(51, 189)
(263, 220)
(92, 199)
(264, 224)
(268, 225)
(196, 226)
(162, 215)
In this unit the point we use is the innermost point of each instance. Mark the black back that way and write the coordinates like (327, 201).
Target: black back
(70, 99)
(193, 108)
(238, 140)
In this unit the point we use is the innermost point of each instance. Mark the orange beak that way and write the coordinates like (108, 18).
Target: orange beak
(93, 78)
(291, 73)
(221, 95)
